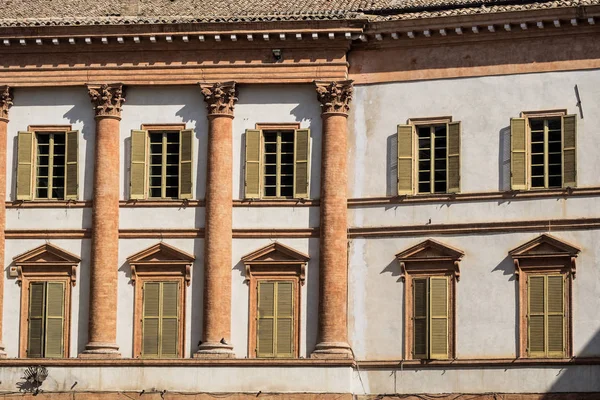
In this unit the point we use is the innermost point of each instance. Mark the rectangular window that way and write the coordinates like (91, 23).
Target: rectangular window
(160, 319)
(278, 162)
(50, 165)
(546, 315)
(430, 318)
(163, 168)
(275, 321)
(546, 153)
(432, 158)
(46, 320)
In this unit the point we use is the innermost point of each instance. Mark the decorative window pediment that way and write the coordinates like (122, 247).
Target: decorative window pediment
(276, 256)
(429, 256)
(161, 259)
(542, 251)
(47, 260)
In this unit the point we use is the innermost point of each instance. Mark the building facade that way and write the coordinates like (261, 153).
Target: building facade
(327, 201)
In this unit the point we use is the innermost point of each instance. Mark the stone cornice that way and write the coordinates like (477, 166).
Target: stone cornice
(6, 98)
(335, 97)
(220, 97)
(107, 99)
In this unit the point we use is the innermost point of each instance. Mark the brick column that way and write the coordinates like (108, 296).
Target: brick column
(333, 257)
(216, 332)
(6, 97)
(102, 334)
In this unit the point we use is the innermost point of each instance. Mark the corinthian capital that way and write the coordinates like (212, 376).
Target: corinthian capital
(220, 97)
(107, 99)
(6, 98)
(334, 97)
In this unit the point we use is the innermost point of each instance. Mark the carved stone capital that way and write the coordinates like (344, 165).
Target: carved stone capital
(107, 99)
(220, 97)
(335, 97)
(6, 98)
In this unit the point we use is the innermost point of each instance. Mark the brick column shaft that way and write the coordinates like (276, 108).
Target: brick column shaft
(333, 249)
(102, 334)
(216, 331)
(5, 103)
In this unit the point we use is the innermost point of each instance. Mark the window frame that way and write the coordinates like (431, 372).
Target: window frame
(429, 259)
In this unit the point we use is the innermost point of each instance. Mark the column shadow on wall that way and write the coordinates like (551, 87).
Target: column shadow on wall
(88, 134)
(507, 267)
(85, 253)
(393, 268)
(312, 293)
(126, 167)
(125, 268)
(197, 288)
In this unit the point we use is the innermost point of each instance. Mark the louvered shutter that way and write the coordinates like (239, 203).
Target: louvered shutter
(25, 166)
(555, 316)
(72, 169)
(138, 169)
(301, 163)
(185, 163)
(151, 319)
(169, 320)
(252, 178)
(438, 321)
(518, 154)
(405, 159)
(285, 319)
(420, 318)
(569, 132)
(55, 318)
(265, 332)
(454, 131)
(37, 303)
(535, 324)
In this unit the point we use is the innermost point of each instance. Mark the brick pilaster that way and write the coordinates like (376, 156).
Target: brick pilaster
(216, 332)
(102, 334)
(332, 339)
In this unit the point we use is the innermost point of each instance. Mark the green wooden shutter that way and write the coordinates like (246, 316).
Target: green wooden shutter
(169, 320)
(37, 304)
(301, 163)
(55, 319)
(253, 173)
(138, 171)
(438, 321)
(518, 154)
(285, 319)
(72, 169)
(420, 318)
(151, 319)
(569, 132)
(25, 166)
(265, 330)
(405, 159)
(535, 324)
(454, 131)
(185, 163)
(555, 327)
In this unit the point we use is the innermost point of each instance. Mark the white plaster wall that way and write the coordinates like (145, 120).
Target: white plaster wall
(486, 295)
(79, 294)
(309, 294)
(53, 106)
(485, 106)
(275, 217)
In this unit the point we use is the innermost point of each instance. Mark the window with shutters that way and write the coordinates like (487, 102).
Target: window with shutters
(430, 271)
(275, 274)
(277, 162)
(46, 275)
(161, 274)
(429, 156)
(47, 163)
(161, 162)
(545, 267)
(543, 150)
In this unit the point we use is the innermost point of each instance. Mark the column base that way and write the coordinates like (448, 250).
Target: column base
(334, 350)
(100, 350)
(214, 350)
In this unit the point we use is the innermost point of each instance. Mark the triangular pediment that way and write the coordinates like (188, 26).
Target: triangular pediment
(430, 250)
(275, 252)
(161, 252)
(47, 254)
(545, 246)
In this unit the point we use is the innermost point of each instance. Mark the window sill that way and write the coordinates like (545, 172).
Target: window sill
(274, 202)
